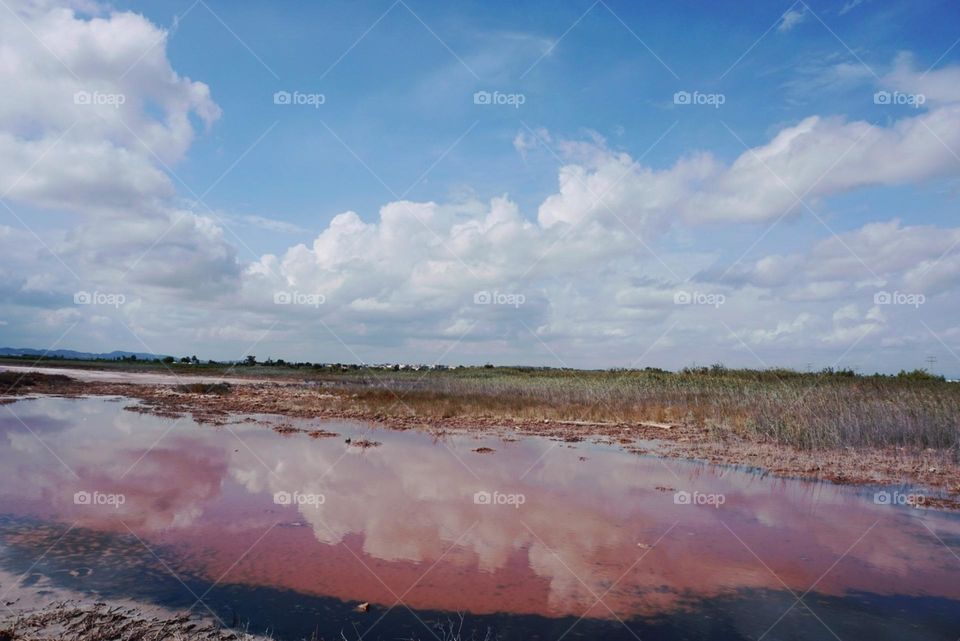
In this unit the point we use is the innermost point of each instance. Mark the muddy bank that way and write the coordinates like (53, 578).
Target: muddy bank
(929, 468)
(86, 621)
(40, 611)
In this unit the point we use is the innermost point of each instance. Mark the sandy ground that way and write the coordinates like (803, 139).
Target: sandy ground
(931, 469)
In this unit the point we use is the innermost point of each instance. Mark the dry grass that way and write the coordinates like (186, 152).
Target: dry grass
(808, 411)
(15, 381)
(205, 388)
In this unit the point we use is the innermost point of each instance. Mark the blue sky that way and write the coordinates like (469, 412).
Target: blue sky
(399, 99)
(692, 202)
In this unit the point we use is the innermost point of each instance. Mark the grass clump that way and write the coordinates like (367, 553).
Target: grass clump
(205, 388)
(13, 381)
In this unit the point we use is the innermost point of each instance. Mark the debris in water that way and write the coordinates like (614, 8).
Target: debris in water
(662, 426)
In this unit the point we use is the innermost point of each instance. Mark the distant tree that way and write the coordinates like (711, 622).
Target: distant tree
(250, 360)
(168, 359)
(185, 359)
(919, 375)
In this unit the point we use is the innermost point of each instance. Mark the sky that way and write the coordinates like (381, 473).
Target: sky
(588, 184)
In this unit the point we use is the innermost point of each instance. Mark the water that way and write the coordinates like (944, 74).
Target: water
(120, 375)
(578, 541)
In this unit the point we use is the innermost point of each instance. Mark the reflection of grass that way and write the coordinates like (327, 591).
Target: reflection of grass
(812, 411)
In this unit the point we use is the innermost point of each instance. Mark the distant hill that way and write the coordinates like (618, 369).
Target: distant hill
(71, 354)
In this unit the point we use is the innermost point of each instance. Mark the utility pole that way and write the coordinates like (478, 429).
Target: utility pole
(931, 361)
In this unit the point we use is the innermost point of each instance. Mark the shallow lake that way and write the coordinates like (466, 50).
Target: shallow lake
(537, 539)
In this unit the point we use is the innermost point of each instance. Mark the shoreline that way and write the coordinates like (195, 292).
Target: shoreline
(928, 469)
(44, 612)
